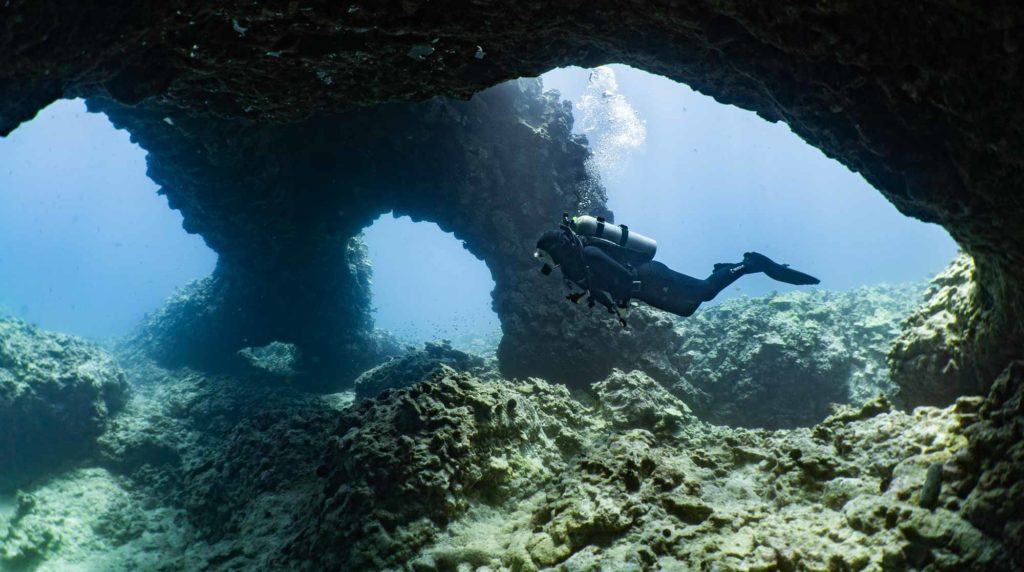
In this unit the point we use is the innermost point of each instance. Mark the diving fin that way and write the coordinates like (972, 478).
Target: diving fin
(756, 262)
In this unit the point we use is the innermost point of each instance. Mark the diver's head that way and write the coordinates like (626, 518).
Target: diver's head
(548, 262)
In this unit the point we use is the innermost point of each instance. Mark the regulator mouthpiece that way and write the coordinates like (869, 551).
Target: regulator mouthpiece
(546, 260)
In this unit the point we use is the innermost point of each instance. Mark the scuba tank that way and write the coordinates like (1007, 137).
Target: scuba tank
(597, 230)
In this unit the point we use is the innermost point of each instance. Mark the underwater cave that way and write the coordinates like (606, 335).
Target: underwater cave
(279, 135)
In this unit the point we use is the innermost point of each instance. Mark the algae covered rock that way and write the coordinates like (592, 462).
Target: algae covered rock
(930, 360)
(456, 472)
(634, 400)
(416, 365)
(57, 393)
(402, 466)
(781, 361)
(218, 447)
(840, 496)
(276, 358)
(991, 472)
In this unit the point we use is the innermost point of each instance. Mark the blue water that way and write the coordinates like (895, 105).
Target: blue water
(87, 246)
(712, 181)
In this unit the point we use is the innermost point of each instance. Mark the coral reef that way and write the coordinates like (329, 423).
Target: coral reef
(225, 472)
(454, 471)
(57, 394)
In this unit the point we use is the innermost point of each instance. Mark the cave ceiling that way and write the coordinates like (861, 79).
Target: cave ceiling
(921, 98)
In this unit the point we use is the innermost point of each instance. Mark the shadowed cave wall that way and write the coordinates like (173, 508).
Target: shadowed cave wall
(919, 98)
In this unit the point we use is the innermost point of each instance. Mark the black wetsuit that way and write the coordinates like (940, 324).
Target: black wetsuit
(611, 282)
(614, 275)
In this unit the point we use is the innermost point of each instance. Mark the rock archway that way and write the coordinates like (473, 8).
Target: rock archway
(291, 200)
(922, 99)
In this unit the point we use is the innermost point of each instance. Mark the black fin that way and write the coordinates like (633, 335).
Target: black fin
(782, 272)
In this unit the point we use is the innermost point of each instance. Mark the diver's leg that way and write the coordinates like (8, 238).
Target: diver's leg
(668, 290)
(721, 278)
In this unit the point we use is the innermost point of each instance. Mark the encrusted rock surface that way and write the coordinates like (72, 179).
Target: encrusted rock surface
(320, 303)
(57, 394)
(213, 445)
(88, 518)
(948, 345)
(991, 471)
(415, 459)
(495, 171)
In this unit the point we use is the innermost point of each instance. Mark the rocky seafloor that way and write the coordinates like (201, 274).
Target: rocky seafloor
(435, 462)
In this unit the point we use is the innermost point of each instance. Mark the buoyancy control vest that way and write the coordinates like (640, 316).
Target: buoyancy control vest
(598, 232)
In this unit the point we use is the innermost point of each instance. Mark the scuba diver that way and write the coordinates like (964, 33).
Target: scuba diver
(611, 265)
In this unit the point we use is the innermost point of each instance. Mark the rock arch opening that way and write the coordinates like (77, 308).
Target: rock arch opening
(88, 245)
(713, 180)
(426, 286)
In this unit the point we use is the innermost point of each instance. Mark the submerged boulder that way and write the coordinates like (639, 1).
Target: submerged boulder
(415, 366)
(276, 359)
(57, 393)
(634, 400)
(781, 361)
